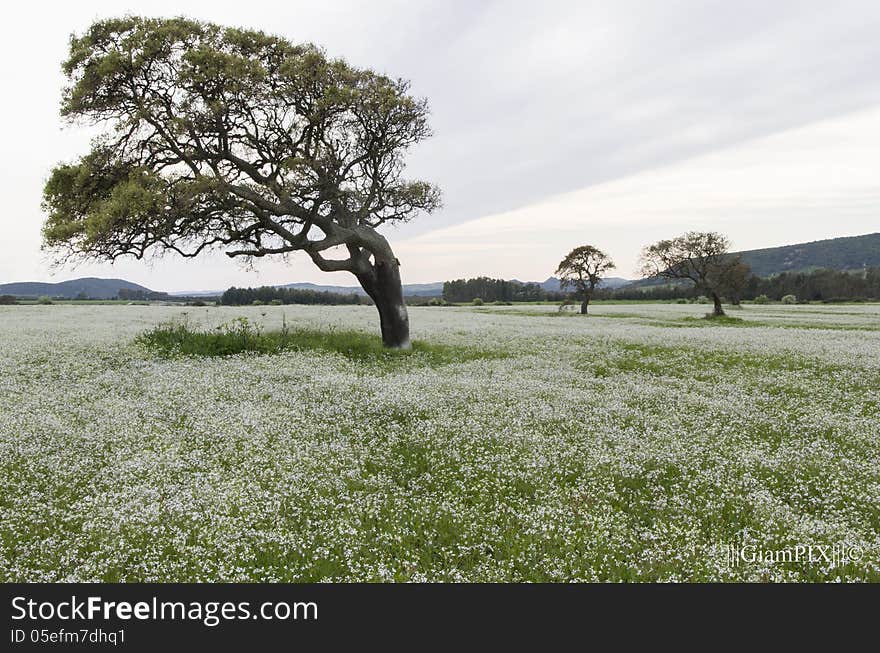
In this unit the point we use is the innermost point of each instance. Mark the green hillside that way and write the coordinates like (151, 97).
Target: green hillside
(86, 287)
(848, 253)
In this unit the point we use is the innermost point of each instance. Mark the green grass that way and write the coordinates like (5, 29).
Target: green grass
(180, 339)
(715, 320)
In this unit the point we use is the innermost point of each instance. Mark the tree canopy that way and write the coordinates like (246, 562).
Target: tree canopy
(582, 270)
(233, 138)
(701, 257)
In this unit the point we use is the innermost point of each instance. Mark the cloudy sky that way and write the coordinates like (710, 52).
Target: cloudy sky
(612, 123)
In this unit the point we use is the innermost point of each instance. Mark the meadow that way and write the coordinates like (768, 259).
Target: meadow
(516, 443)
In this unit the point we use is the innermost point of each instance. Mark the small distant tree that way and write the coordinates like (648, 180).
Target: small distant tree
(701, 257)
(582, 270)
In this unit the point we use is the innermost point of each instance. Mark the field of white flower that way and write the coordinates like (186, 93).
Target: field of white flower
(635, 444)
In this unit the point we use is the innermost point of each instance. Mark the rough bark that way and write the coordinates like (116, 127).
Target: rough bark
(716, 300)
(382, 283)
(584, 305)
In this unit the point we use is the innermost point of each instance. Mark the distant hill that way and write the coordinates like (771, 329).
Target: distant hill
(552, 283)
(847, 253)
(90, 287)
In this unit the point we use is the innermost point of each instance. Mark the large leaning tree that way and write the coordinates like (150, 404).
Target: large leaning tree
(703, 258)
(582, 270)
(229, 138)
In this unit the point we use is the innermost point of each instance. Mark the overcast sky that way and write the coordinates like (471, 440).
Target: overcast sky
(556, 124)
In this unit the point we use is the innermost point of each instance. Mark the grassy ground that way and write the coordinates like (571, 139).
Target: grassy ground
(636, 444)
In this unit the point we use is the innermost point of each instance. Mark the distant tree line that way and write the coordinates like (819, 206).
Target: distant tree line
(816, 285)
(497, 290)
(136, 295)
(270, 294)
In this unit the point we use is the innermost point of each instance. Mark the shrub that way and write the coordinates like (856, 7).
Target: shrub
(241, 335)
(789, 299)
(44, 300)
(256, 302)
(681, 300)
(477, 301)
(702, 299)
(762, 299)
(275, 302)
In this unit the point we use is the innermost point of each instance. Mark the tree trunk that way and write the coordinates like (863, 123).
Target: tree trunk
(584, 305)
(719, 311)
(383, 285)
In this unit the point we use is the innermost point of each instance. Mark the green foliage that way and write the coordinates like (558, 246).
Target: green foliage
(241, 335)
(7, 300)
(789, 299)
(477, 301)
(218, 137)
(44, 300)
(270, 294)
(762, 299)
(582, 270)
(490, 290)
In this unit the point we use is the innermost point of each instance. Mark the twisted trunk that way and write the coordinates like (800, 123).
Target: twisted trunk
(382, 283)
(586, 296)
(716, 300)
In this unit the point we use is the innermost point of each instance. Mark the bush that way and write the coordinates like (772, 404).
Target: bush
(7, 300)
(275, 302)
(702, 299)
(44, 300)
(256, 302)
(681, 300)
(477, 301)
(762, 299)
(789, 299)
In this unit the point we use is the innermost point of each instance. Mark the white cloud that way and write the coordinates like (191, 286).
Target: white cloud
(804, 184)
(530, 101)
